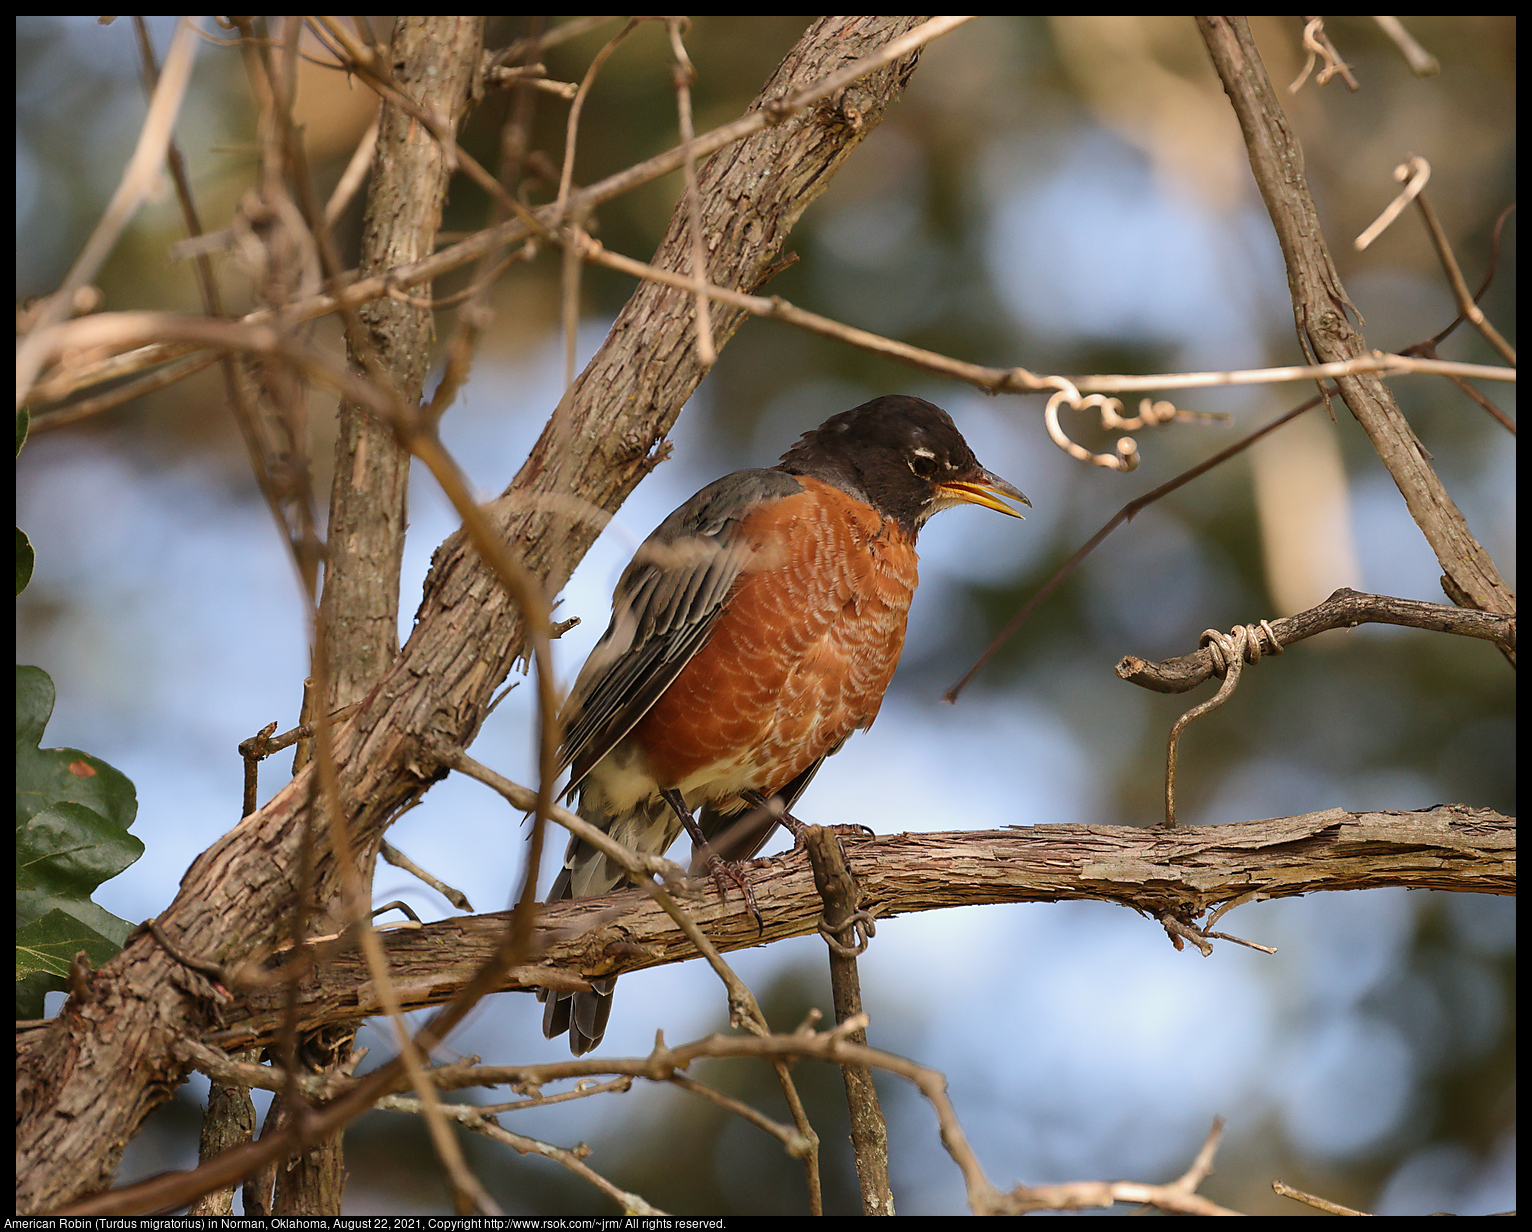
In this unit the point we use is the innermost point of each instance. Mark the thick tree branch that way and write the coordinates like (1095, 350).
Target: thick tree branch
(434, 59)
(1183, 872)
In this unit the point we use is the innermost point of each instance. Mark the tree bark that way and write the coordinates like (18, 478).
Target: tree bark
(86, 1082)
(434, 60)
(1183, 871)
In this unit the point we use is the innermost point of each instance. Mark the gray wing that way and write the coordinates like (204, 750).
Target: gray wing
(663, 611)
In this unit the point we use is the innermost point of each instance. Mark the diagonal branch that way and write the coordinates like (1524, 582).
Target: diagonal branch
(1320, 307)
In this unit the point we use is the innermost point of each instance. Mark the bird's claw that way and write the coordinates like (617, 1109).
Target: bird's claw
(719, 869)
(849, 830)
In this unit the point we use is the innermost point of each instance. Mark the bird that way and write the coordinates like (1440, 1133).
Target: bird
(753, 632)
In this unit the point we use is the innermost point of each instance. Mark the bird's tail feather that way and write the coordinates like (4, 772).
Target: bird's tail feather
(649, 827)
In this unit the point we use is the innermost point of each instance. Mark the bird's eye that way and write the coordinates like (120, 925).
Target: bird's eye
(923, 464)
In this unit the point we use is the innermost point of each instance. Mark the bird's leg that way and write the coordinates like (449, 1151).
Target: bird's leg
(761, 804)
(715, 866)
(773, 807)
(678, 806)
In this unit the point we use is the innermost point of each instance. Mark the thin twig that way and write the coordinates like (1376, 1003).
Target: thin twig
(1020, 380)
(355, 174)
(1422, 63)
(476, 315)
(792, 1141)
(1319, 47)
(570, 291)
(572, 123)
(639, 867)
(1180, 1197)
(1126, 514)
(744, 1009)
(1489, 274)
(252, 750)
(843, 920)
(1284, 1190)
(583, 1090)
(685, 75)
(1229, 653)
(138, 179)
(1467, 303)
(569, 297)
(1428, 350)
(351, 289)
(482, 1122)
(392, 855)
(1414, 175)
(160, 378)
(533, 47)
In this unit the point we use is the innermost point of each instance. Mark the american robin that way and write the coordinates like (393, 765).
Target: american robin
(753, 632)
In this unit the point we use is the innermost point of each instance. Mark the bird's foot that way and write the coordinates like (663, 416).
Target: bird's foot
(717, 867)
(720, 869)
(849, 830)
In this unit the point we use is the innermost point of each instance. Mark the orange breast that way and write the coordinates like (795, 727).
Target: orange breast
(800, 657)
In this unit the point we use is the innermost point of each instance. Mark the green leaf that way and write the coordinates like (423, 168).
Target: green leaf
(24, 560)
(49, 945)
(72, 817)
(23, 422)
(63, 852)
(45, 949)
(50, 776)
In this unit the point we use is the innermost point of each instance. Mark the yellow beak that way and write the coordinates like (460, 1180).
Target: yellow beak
(986, 490)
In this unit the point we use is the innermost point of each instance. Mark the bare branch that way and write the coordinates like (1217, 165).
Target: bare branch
(353, 289)
(138, 178)
(482, 1122)
(1320, 305)
(1125, 514)
(1467, 303)
(1345, 609)
(1422, 63)
(1413, 175)
(1317, 43)
(1185, 871)
(843, 921)
(684, 76)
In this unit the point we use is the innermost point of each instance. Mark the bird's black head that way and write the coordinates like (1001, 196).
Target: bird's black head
(902, 455)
